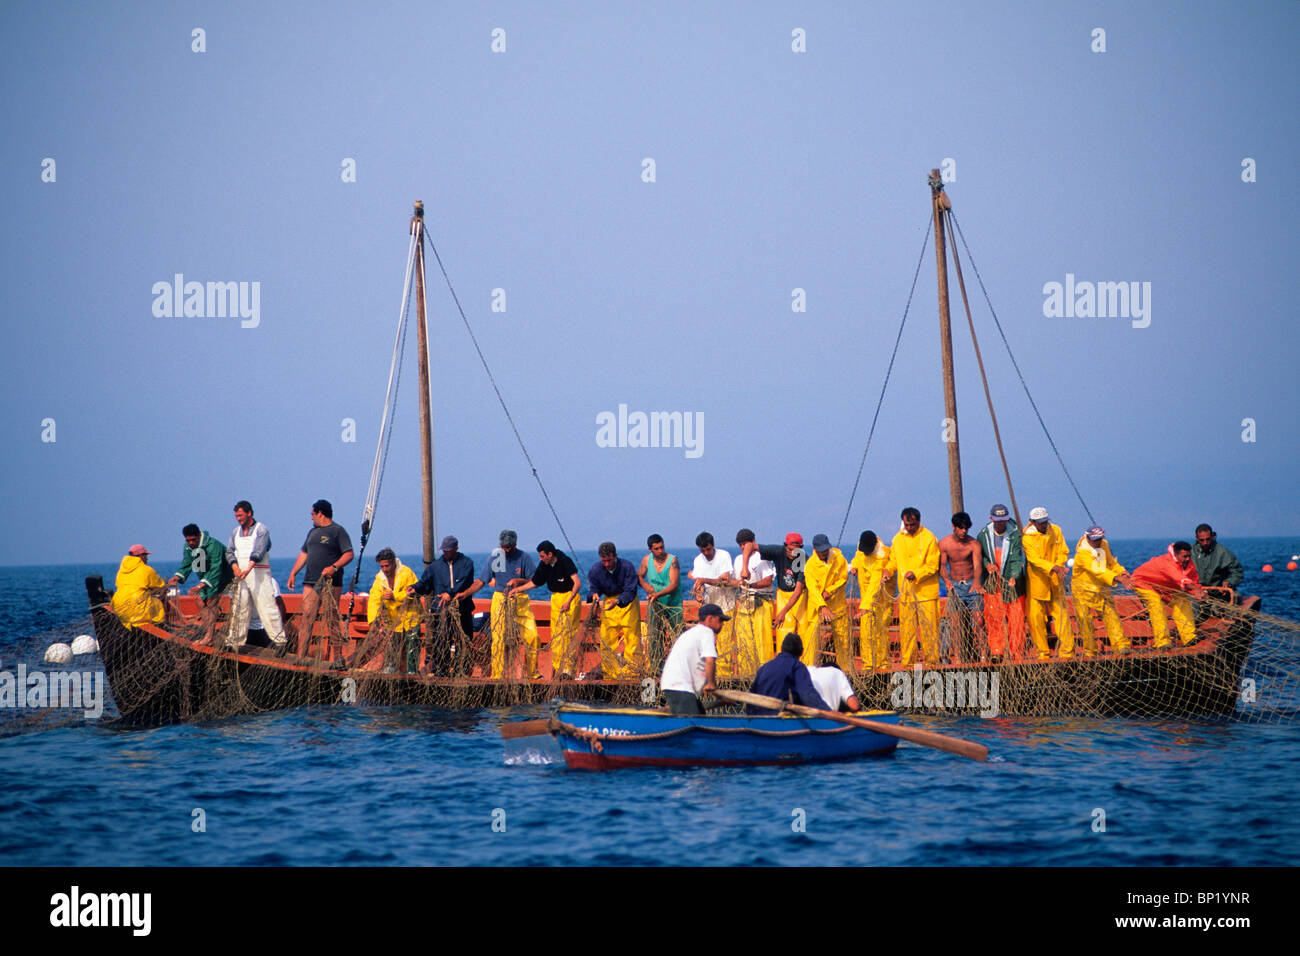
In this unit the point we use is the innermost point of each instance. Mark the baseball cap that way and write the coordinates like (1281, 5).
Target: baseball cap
(711, 610)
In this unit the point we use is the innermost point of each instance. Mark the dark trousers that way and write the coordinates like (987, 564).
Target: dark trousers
(683, 703)
(441, 656)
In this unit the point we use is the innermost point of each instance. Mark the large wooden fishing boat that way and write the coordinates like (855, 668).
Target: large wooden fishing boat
(162, 673)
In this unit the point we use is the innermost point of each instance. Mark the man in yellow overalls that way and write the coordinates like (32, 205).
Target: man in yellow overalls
(508, 567)
(613, 582)
(1095, 570)
(1046, 554)
(914, 563)
(877, 602)
(826, 576)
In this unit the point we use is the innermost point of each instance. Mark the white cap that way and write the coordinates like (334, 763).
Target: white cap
(1038, 514)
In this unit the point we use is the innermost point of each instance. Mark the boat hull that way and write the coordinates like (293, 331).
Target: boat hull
(641, 738)
(158, 676)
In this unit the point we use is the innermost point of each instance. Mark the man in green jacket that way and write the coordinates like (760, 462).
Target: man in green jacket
(1004, 584)
(206, 557)
(1216, 566)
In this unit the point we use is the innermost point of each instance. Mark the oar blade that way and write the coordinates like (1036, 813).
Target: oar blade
(525, 728)
(915, 735)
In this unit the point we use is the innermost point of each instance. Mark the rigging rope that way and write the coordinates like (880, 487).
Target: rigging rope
(390, 413)
(1016, 365)
(473, 338)
(883, 385)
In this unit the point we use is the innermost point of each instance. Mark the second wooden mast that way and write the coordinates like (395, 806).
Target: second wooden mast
(950, 435)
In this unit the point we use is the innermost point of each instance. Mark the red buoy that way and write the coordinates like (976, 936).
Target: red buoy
(1291, 565)
(1267, 569)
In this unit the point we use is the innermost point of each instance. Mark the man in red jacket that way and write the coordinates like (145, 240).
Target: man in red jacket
(1171, 574)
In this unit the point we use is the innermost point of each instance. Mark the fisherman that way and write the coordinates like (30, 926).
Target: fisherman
(1003, 557)
(1046, 554)
(508, 568)
(914, 563)
(661, 576)
(1216, 566)
(791, 589)
(1174, 575)
(786, 678)
(714, 584)
(961, 567)
(691, 666)
(392, 603)
(834, 688)
(557, 571)
(327, 550)
(876, 603)
(136, 599)
(612, 581)
(450, 580)
(1095, 571)
(753, 614)
(205, 556)
(826, 576)
(249, 554)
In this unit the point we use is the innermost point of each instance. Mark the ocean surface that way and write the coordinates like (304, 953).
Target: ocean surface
(356, 785)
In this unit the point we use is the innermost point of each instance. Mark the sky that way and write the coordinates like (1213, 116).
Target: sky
(283, 146)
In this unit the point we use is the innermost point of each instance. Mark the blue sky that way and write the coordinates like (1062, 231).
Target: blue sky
(775, 170)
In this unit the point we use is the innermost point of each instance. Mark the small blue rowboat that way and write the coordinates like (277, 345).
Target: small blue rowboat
(596, 738)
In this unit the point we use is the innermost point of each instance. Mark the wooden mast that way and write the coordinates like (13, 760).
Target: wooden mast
(942, 205)
(426, 394)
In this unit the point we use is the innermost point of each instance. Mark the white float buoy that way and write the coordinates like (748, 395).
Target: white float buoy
(58, 654)
(84, 644)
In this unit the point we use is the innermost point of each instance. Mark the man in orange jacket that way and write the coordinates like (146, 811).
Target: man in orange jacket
(1171, 574)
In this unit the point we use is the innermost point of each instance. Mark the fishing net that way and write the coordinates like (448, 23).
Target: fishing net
(1243, 664)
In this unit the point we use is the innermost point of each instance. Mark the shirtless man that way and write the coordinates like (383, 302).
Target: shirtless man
(961, 566)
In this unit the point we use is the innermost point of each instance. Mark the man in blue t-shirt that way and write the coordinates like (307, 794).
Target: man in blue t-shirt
(785, 677)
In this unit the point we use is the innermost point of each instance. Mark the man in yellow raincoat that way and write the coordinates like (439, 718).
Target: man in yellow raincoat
(1095, 570)
(826, 576)
(1046, 554)
(391, 603)
(134, 601)
(877, 601)
(914, 564)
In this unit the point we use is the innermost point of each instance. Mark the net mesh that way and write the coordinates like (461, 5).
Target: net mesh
(908, 655)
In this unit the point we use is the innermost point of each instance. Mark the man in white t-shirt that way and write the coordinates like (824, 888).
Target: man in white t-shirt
(715, 583)
(691, 664)
(834, 687)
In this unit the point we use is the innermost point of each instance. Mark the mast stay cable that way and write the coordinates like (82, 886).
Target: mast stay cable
(1016, 366)
(984, 379)
(885, 384)
(390, 413)
(473, 338)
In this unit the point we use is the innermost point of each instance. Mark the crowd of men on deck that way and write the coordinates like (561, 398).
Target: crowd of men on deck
(1003, 583)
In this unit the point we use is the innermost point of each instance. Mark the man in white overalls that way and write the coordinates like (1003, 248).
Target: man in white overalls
(249, 554)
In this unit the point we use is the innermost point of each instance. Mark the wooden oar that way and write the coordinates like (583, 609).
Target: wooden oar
(926, 738)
